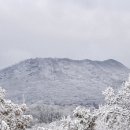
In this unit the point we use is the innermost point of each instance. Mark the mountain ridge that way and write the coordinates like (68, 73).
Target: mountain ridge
(67, 59)
(62, 80)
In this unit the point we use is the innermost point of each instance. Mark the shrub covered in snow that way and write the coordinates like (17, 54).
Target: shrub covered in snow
(46, 113)
(12, 115)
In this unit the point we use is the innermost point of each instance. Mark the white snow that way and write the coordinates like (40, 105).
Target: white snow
(62, 81)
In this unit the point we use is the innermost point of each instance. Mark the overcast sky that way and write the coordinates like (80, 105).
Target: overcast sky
(77, 29)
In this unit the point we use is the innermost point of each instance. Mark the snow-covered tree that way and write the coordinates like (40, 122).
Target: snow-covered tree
(82, 119)
(12, 115)
(113, 115)
(113, 118)
(85, 118)
(4, 126)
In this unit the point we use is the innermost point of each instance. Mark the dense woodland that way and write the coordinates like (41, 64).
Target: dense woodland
(114, 114)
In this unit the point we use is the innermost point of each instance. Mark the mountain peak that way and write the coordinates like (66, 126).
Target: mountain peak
(112, 61)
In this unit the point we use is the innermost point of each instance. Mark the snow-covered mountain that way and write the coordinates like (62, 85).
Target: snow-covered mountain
(62, 81)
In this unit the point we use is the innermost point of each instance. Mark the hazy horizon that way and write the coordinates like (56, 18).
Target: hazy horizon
(58, 58)
(75, 29)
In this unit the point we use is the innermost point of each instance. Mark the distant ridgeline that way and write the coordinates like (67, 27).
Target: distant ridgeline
(62, 81)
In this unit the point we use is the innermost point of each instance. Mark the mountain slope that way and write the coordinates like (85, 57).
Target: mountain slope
(62, 81)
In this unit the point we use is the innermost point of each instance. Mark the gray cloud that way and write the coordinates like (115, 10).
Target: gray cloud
(78, 29)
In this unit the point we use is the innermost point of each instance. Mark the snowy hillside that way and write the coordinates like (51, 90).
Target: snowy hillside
(62, 81)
